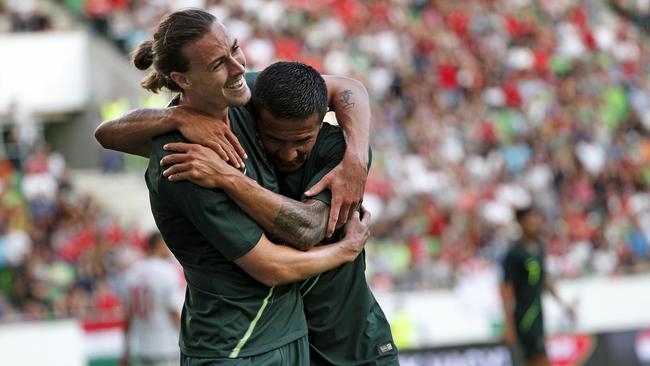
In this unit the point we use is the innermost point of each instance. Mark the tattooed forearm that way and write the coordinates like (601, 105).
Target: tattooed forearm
(345, 99)
(302, 225)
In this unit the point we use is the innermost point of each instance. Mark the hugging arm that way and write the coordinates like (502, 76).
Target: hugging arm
(276, 264)
(299, 224)
(241, 240)
(132, 132)
(349, 100)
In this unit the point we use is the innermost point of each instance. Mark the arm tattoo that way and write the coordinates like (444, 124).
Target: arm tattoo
(345, 99)
(302, 224)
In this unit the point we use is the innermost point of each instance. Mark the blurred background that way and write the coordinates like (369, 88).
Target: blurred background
(479, 108)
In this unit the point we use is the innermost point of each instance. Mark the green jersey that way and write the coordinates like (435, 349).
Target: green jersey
(525, 271)
(346, 324)
(227, 313)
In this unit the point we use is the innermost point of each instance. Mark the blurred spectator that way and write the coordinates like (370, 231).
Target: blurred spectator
(155, 295)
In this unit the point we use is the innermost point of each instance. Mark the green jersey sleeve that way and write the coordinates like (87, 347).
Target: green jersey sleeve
(217, 217)
(229, 229)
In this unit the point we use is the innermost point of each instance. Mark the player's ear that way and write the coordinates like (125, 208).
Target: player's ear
(180, 79)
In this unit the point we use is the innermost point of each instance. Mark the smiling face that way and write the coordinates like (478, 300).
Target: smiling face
(288, 143)
(216, 70)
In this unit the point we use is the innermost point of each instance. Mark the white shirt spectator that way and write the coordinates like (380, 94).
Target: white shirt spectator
(56, 165)
(591, 156)
(17, 246)
(40, 185)
(154, 289)
(605, 37)
(570, 44)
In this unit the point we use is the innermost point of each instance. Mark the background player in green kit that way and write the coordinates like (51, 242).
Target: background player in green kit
(346, 324)
(523, 284)
(236, 308)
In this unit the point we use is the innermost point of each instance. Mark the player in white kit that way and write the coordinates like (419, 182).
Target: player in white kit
(154, 300)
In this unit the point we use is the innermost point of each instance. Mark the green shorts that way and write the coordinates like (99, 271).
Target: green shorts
(532, 340)
(295, 353)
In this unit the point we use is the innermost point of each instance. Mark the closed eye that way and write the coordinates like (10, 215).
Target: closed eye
(220, 61)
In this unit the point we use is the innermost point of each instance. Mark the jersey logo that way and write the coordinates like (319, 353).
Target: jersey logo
(383, 348)
(534, 271)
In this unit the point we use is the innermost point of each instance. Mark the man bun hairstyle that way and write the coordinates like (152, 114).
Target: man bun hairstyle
(143, 55)
(175, 31)
(290, 90)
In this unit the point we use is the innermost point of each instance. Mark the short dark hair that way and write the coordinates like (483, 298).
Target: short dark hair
(291, 91)
(521, 213)
(175, 31)
(153, 241)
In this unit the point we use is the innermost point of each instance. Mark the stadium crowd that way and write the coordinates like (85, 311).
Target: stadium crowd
(61, 254)
(479, 108)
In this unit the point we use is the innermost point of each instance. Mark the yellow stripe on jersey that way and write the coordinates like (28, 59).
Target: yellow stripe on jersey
(251, 327)
(310, 287)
